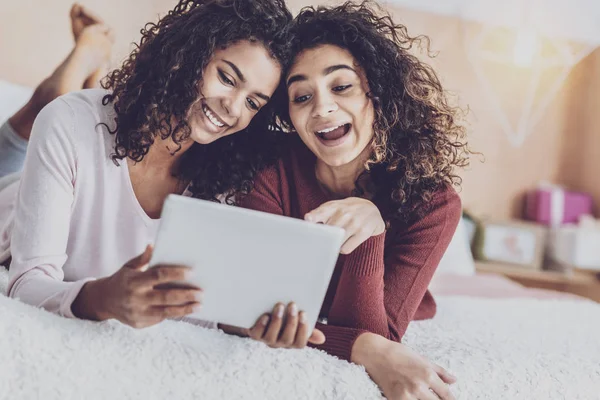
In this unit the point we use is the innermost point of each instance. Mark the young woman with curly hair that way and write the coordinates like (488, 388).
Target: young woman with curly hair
(186, 113)
(373, 149)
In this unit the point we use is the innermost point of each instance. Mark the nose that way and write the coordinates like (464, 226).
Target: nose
(233, 105)
(324, 104)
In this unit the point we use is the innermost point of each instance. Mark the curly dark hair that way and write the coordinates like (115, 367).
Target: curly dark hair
(159, 80)
(418, 141)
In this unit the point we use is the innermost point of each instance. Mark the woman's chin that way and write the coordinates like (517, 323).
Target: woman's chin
(202, 137)
(337, 161)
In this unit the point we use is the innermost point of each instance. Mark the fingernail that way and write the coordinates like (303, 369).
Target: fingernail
(197, 307)
(199, 296)
(293, 310)
(279, 311)
(264, 320)
(302, 318)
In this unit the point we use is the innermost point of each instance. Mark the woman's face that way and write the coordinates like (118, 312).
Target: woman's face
(237, 82)
(328, 104)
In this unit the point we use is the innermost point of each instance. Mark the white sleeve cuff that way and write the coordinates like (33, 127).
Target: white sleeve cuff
(70, 294)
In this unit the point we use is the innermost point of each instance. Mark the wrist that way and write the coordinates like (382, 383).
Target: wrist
(88, 304)
(233, 330)
(380, 225)
(367, 347)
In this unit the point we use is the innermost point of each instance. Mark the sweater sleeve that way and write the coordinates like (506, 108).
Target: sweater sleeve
(380, 291)
(266, 194)
(43, 213)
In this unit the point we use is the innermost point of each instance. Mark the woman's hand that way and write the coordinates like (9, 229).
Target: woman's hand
(291, 332)
(400, 373)
(138, 296)
(360, 218)
(280, 331)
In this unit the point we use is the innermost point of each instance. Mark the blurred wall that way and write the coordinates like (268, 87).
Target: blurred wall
(563, 147)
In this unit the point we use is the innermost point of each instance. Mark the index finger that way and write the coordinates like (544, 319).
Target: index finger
(442, 390)
(446, 376)
(161, 274)
(321, 213)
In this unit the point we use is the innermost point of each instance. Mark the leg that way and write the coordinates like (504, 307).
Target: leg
(12, 150)
(7, 181)
(91, 51)
(81, 17)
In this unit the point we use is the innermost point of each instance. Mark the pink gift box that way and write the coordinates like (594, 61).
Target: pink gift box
(554, 206)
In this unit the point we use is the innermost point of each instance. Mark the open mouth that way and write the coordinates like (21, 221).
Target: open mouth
(334, 134)
(213, 117)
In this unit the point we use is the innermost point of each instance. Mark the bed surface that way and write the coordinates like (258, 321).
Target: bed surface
(499, 348)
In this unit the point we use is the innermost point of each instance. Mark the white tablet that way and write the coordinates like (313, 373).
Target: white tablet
(246, 261)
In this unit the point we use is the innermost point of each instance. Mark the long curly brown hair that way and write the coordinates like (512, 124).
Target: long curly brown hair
(160, 80)
(418, 141)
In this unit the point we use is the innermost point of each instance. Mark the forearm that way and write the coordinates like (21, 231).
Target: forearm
(366, 347)
(362, 304)
(88, 303)
(359, 300)
(339, 340)
(38, 289)
(12, 150)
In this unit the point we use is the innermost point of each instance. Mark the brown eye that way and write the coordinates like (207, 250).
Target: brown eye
(225, 79)
(301, 99)
(252, 104)
(341, 88)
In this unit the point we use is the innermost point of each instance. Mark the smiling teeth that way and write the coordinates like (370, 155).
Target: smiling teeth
(330, 129)
(211, 117)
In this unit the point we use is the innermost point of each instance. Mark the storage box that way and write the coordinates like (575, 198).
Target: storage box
(512, 242)
(576, 245)
(553, 206)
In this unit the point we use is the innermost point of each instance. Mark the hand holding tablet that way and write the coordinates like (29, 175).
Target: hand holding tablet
(246, 261)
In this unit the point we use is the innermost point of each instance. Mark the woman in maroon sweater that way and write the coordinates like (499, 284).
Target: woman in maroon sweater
(373, 147)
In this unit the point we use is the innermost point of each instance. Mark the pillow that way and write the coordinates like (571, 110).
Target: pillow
(12, 98)
(458, 258)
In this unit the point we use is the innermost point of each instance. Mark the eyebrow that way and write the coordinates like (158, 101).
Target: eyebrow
(243, 79)
(326, 71)
(236, 70)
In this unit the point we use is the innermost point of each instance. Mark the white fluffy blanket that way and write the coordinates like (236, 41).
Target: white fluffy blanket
(499, 349)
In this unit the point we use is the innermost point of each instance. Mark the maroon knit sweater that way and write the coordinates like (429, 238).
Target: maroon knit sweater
(382, 285)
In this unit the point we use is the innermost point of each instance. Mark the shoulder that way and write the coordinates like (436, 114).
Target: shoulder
(288, 180)
(86, 100)
(448, 199)
(440, 214)
(444, 204)
(294, 160)
(74, 120)
(87, 108)
(444, 208)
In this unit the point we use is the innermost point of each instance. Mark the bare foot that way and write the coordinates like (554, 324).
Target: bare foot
(81, 18)
(94, 80)
(91, 52)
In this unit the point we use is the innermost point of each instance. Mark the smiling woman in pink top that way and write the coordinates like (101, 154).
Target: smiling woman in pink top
(373, 149)
(188, 113)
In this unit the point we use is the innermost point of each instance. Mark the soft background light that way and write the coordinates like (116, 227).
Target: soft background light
(533, 121)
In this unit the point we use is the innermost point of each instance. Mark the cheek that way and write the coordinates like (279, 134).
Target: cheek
(211, 87)
(367, 117)
(298, 118)
(244, 121)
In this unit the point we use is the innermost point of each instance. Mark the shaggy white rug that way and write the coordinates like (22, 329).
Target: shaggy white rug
(499, 349)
